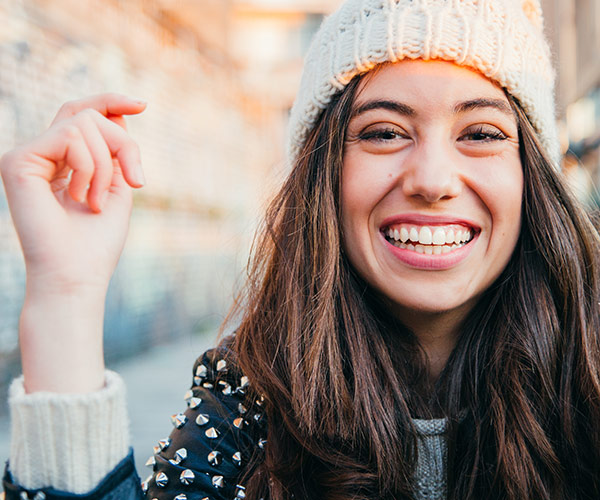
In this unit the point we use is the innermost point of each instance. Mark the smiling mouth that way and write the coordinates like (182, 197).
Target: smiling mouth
(428, 240)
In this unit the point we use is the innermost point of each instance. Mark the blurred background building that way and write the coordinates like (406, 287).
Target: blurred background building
(220, 77)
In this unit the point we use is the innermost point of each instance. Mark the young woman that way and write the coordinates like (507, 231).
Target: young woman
(420, 320)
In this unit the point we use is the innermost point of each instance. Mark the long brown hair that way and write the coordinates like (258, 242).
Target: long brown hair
(342, 378)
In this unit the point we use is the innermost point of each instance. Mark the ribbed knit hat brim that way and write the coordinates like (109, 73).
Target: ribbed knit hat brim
(502, 39)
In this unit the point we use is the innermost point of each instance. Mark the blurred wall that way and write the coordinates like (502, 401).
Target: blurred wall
(212, 149)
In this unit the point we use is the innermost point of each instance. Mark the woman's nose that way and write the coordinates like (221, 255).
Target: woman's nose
(430, 173)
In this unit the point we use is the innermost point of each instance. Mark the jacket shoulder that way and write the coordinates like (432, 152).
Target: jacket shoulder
(216, 440)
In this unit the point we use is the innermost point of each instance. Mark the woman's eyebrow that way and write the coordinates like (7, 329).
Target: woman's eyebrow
(499, 104)
(406, 110)
(395, 106)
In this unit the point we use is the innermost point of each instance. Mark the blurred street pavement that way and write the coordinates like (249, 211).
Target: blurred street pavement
(156, 381)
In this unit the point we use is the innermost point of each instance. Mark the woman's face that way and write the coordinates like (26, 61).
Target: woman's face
(431, 186)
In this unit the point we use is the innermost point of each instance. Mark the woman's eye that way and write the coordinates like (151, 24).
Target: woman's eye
(482, 133)
(382, 135)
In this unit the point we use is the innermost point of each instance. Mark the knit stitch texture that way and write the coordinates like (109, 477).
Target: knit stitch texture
(502, 39)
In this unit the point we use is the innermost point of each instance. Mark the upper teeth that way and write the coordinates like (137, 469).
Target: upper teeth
(427, 235)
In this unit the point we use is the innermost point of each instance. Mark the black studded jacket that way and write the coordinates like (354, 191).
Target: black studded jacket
(205, 457)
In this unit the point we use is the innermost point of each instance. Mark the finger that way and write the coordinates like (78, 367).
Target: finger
(77, 157)
(119, 120)
(124, 148)
(101, 156)
(105, 104)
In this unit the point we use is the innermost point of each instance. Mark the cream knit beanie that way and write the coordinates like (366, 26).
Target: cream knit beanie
(502, 39)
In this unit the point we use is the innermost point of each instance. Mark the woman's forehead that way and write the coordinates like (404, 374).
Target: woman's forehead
(422, 81)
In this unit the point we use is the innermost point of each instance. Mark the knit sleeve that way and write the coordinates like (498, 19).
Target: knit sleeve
(67, 441)
(213, 440)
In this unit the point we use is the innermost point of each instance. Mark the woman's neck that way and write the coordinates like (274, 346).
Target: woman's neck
(437, 334)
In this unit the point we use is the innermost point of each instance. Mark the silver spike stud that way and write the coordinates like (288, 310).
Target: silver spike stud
(201, 371)
(221, 366)
(240, 492)
(260, 401)
(163, 444)
(187, 477)
(197, 381)
(181, 496)
(257, 417)
(225, 388)
(180, 455)
(40, 495)
(262, 443)
(239, 422)
(202, 419)
(178, 420)
(156, 449)
(150, 462)
(24, 495)
(212, 433)
(218, 481)
(188, 395)
(194, 403)
(237, 458)
(215, 458)
(161, 480)
(242, 409)
(146, 483)
(244, 382)
(208, 385)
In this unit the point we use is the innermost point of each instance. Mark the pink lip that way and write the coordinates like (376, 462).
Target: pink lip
(430, 262)
(428, 220)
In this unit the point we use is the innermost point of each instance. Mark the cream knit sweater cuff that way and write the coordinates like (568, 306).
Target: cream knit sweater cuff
(67, 441)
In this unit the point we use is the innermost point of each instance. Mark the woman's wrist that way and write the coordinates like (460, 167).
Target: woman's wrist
(61, 341)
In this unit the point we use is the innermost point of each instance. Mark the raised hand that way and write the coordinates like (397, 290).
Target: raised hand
(69, 194)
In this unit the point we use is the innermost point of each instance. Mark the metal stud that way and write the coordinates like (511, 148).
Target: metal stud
(218, 481)
(178, 420)
(240, 492)
(150, 462)
(239, 422)
(180, 455)
(201, 371)
(215, 458)
(146, 483)
(237, 458)
(181, 496)
(260, 401)
(24, 495)
(188, 396)
(202, 419)
(40, 495)
(225, 388)
(208, 385)
(194, 403)
(163, 444)
(221, 366)
(261, 443)
(212, 433)
(257, 417)
(242, 409)
(187, 477)
(156, 449)
(161, 480)
(197, 381)
(244, 382)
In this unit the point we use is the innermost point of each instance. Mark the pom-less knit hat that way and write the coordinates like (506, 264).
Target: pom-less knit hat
(502, 39)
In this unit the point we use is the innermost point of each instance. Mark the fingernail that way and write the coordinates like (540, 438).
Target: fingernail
(141, 102)
(139, 176)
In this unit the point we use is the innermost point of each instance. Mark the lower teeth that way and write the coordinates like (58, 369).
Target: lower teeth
(427, 249)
